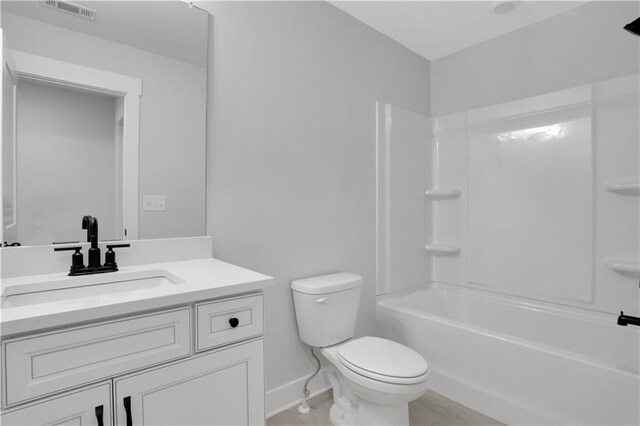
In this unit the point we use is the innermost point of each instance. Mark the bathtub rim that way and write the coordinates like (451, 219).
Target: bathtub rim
(521, 301)
(387, 301)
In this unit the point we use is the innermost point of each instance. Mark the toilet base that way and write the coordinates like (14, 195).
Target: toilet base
(351, 409)
(368, 414)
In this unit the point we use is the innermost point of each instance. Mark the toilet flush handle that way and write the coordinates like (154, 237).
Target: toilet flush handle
(322, 300)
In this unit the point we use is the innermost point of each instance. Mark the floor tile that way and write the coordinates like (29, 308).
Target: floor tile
(462, 416)
(432, 409)
(421, 415)
(437, 402)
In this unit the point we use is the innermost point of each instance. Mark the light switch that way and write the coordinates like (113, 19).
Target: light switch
(154, 203)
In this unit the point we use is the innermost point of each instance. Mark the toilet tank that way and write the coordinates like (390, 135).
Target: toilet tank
(327, 307)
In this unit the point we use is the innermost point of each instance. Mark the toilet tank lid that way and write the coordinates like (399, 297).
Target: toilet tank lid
(327, 283)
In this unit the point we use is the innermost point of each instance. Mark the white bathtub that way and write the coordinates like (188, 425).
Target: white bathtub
(520, 362)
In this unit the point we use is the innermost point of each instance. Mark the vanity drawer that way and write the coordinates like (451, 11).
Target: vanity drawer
(226, 321)
(51, 362)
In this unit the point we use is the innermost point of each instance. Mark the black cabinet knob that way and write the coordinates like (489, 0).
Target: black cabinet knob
(233, 322)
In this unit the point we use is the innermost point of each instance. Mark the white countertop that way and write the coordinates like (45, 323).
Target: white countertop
(203, 279)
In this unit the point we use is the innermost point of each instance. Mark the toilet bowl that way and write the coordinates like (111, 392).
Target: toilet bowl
(373, 379)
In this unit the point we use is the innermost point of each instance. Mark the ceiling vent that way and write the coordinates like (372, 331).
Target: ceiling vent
(71, 9)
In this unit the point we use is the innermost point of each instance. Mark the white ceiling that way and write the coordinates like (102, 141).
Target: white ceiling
(168, 28)
(434, 29)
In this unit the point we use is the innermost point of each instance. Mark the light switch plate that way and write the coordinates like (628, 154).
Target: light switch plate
(154, 203)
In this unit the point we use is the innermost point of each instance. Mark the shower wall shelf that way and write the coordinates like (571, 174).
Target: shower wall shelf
(444, 193)
(623, 266)
(442, 249)
(624, 187)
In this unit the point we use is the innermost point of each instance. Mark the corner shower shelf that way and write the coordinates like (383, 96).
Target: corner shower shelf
(444, 193)
(442, 249)
(623, 266)
(624, 187)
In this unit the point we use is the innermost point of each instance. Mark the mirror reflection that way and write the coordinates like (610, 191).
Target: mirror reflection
(108, 120)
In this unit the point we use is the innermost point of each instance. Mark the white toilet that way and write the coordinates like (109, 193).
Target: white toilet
(373, 379)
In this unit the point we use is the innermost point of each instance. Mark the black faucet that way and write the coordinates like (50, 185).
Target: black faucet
(90, 223)
(625, 320)
(94, 266)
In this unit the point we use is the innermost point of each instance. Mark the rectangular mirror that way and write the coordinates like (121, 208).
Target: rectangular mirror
(104, 109)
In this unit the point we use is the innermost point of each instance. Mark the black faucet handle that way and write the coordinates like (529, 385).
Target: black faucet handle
(77, 260)
(110, 255)
(112, 246)
(76, 248)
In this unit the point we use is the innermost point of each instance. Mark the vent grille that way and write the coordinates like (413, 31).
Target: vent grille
(71, 9)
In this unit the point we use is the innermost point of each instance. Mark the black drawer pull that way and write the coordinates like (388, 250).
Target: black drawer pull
(99, 412)
(233, 322)
(127, 409)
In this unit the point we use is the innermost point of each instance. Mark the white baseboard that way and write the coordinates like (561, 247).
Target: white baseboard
(290, 394)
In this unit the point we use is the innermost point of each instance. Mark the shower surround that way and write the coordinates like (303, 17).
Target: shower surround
(529, 222)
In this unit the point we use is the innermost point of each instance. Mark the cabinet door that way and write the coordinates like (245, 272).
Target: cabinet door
(90, 406)
(221, 388)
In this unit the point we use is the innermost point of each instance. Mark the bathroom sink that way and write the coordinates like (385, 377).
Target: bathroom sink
(85, 286)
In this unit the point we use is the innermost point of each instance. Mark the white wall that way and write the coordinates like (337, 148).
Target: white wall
(581, 46)
(65, 163)
(291, 150)
(172, 118)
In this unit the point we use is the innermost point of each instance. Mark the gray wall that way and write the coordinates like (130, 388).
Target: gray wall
(584, 45)
(172, 118)
(291, 150)
(65, 163)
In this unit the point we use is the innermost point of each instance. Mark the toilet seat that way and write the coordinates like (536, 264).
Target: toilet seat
(383, 387)
(383, 360)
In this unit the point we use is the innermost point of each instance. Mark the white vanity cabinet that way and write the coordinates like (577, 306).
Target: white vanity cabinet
(152, 367)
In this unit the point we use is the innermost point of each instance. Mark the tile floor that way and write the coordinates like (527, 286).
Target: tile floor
(432, 409)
